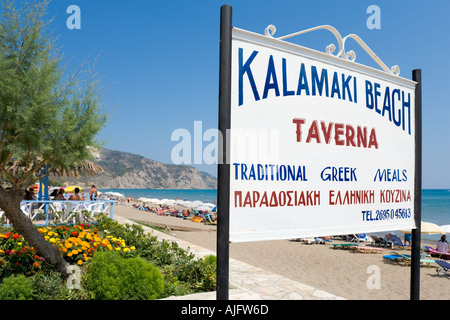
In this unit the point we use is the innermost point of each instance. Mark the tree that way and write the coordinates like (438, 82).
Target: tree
(47, 119)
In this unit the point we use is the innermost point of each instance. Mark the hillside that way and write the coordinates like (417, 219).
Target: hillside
(125, 170)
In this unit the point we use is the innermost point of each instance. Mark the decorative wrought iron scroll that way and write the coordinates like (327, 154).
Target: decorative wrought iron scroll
(350, 55)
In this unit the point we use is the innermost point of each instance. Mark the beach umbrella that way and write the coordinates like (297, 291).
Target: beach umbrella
(198, 202)
(72, 188)
(115, 194)
(211, 205)
(214, 209)
(169, 202)
(190, 204)
(162, 201)
(203, 208)
(428, 227)
(446, 228)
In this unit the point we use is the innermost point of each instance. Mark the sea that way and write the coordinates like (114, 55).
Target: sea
(435, 202)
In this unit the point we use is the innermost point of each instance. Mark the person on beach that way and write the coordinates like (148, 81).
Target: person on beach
(387, 240)
(442, 245)
(60, 195)
(76, 196)
(29, 194)
(93, 194)
(407, 238)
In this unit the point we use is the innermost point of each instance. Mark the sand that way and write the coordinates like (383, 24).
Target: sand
(341, 272)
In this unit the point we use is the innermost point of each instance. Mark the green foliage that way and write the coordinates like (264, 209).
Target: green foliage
(183, 273)
(49, 286)
(45, 119)
(112, 277)
(16, 287)
(156, 269)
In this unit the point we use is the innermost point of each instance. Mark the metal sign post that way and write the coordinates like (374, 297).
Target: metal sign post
(223, 174)
(416, 233)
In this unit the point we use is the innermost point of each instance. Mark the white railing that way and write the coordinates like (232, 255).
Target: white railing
(45, 212)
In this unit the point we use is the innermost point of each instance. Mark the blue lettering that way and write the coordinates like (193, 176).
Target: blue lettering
(236, 177)
(271, 75)
(396, 122)
(387, 103)
(377, 94)
(338, 174)
(244, 171)
(319, 82)
(285, 90)
(406, 104)
(302, 81)
(335, 86)
(391, 175)
(369, 95)
(260, 172)
(245, 69)
(346, 87)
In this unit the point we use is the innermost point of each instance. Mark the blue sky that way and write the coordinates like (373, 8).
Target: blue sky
(160, 61)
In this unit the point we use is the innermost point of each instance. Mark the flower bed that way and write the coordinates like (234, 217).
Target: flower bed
(182, 274)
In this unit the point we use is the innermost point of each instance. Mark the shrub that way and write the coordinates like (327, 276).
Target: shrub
(49, 286)
(16, 287)
(183, 274)
(113, 277)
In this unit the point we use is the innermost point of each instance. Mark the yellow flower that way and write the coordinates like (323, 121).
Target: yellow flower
(109, 247)
(74, 252)
(126, 249)
(80, 262)
(69, 254)
(132, 248)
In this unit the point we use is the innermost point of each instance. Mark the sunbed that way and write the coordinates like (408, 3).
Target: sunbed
(343, 245)
(365, 249)
(398, 242)
(439, 254)
(407, 259)
(393, 258)
(443, 266)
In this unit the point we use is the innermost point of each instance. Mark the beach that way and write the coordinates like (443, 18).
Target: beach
(338, 271)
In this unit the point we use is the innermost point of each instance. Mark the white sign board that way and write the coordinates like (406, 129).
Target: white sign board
(319, 145)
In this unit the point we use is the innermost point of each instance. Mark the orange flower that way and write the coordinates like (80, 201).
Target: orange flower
(35, 264)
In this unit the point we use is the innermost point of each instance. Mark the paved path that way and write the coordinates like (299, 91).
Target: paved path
(246, 281)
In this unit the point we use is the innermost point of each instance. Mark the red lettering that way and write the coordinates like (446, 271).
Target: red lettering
(373, 139)
(338, 131)
(326, 131)
(349, 136)
(299, 123)
(313, 132)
